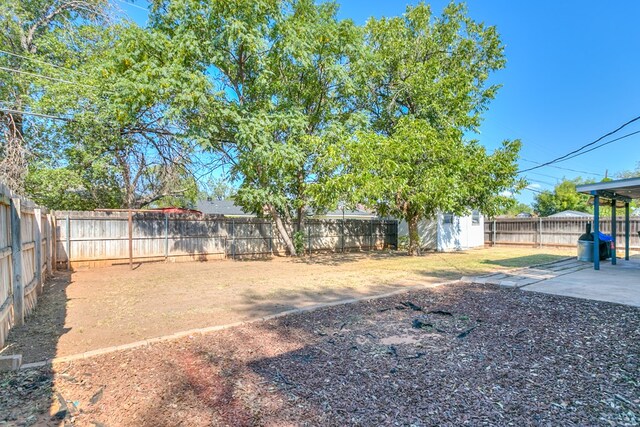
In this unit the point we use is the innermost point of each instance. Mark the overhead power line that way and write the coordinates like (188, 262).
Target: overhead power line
(604, 143)
(538, 181)
(13, 70)
(133, 5)
(545, 175)
(41, 61)
(563, 168)
(534, 191)
(27, 113)
(579, 152)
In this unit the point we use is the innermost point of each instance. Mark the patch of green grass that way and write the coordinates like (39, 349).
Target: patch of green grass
(524, 261)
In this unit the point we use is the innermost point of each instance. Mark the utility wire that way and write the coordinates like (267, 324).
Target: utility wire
(534, 191)
(42, 76)
(133, 5)
(578, 152)
(545, 175)
(538, 181)
(26, 113)
(563, 168)
(604, 143)
(41, 61)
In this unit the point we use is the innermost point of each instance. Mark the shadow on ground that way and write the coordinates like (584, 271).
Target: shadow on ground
(28, 395)
(490, 355)
(38, 338)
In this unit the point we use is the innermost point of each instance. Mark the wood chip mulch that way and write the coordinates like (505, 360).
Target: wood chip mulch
(456, 355)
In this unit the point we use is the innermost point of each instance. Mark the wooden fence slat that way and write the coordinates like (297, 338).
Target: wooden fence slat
(553, 231)
(95, 238)
(16, 265)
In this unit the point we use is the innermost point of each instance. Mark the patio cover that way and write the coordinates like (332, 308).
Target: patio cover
(620, 191)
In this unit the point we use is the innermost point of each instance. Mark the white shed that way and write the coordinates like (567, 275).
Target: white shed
(448, 232)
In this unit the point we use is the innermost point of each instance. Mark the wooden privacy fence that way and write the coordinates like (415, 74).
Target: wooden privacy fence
(88, 239)
(561, 232)
(25, 257)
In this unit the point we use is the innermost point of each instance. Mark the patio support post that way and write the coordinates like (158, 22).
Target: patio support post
(614, 232)
(596, 230)
(626, 231)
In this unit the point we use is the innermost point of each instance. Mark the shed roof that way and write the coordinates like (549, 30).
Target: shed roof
(622, 189)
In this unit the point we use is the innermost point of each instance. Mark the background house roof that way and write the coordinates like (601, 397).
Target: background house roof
(569, 213)
(221, 207)
(229, 208)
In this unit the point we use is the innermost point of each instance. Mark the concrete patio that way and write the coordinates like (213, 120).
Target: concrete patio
(612, 283)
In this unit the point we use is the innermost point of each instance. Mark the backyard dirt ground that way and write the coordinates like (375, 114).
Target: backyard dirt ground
(103, 307)
(460, 354)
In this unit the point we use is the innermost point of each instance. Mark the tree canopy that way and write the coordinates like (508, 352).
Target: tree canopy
(425, 84)
(302, 109)
(563, 197)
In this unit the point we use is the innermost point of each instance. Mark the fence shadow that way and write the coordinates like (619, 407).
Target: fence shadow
(29, 396)
(37, 339)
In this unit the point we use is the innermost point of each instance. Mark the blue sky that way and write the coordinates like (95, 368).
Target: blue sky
(572, 75)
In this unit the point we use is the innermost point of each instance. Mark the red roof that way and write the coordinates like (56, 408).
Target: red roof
(175, 210)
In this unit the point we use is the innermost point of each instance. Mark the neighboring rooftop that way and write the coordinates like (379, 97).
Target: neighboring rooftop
(524, 215)
(570, 214)
(229, 208)
(221, 207)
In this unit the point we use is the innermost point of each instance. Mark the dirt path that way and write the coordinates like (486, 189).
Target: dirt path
(112, 306)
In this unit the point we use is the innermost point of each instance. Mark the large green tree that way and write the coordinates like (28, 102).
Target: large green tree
(563, 197)
(129, 109)
(281, 73)
(424, 83)
(29, 37)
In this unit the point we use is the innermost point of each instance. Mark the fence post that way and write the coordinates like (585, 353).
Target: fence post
(309, 238)
(166, 236)
(16, 262)
(540, 232)
(68, 243)
(233, 239)
(271, 238)
(493, 233)
(342, 237)
(130, 228)
(54, 243)
(37, 213)
(50, 245)
(371, 235)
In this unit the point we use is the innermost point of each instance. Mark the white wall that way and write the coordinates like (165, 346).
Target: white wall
(461, 234)
(428, 231)
(435, 235)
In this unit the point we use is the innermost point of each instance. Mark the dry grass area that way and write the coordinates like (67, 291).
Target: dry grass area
(111, 306)
(450, 355)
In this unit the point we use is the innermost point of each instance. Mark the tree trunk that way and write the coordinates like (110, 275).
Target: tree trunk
(282, 230)
(414, 236)
(300, 218)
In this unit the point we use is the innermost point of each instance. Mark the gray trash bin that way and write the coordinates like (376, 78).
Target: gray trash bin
(585, 250)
